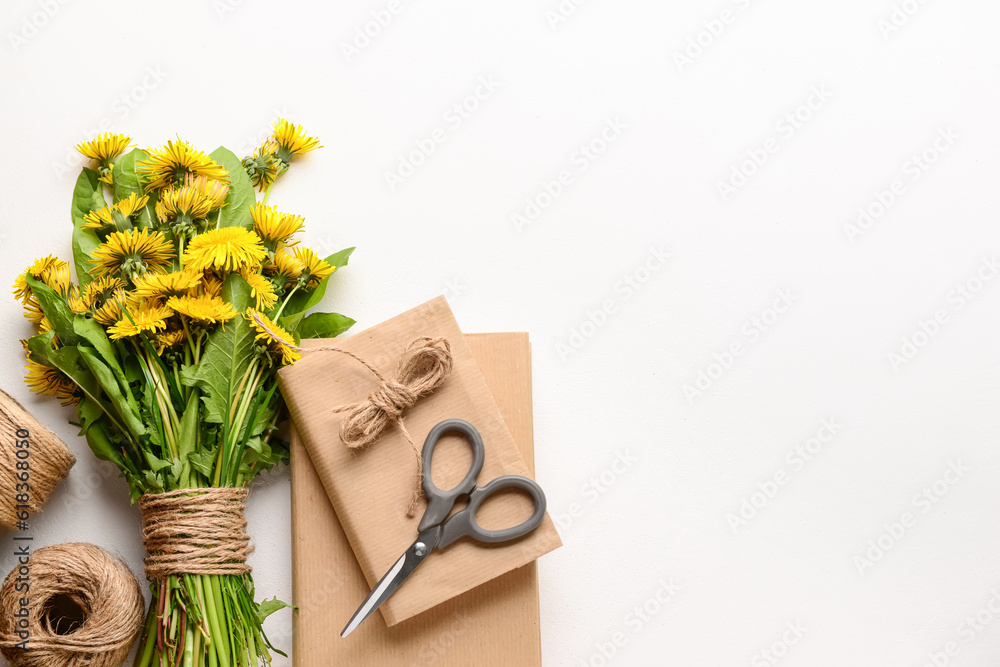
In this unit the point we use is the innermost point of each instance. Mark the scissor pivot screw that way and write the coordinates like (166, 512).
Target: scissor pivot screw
(420, 548)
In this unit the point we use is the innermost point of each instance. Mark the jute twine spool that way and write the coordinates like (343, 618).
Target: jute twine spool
(39, 452)
(84, 609)
(195, 531)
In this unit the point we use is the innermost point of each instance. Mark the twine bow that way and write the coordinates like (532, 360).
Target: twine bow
(421, 369)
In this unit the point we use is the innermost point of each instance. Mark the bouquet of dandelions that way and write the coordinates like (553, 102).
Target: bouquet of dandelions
(190, 296)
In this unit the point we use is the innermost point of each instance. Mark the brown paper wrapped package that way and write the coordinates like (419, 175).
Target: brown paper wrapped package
(369, 489)
(496, 624)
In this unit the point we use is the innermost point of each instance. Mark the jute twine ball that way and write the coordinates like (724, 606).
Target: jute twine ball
(84, 608)
(29, 454)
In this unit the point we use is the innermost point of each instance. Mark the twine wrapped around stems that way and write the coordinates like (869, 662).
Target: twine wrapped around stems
(195, 531)
(84, 609)
(47, 458)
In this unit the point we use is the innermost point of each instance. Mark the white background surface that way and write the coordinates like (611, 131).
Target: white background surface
(448, 228)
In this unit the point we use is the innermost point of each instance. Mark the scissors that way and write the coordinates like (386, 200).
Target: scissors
(436, 530)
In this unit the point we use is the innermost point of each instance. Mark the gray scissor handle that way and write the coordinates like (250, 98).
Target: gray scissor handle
(464, 523)
(440, 503)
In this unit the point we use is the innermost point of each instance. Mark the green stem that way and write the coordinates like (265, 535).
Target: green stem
(171, 423)
(258, 401)
(215, 633)
(212, 582)
(250, 643)
(145, 655)
(168, 430)
(285, 303)
(189, 640)
(246, 398)
(231, 428)
(151, 352)
(186, 391)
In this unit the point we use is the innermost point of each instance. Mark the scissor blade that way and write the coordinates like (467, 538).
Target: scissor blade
(393, 579)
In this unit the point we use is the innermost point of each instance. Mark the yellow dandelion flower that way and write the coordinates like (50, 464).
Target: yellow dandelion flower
(205, 309)
(273, 227)
(99, 289)
(277, 339)
(287, 266)
(105, 147)
(99, 219)
(226, 249)
(261, 289)
(191, 202)
(131, 205)
(75, 301)
(315, 269)
(169, 339)
(58, 278)
(170, 165)
(214, 191)
(165, 285)
(211, 284)
(22, 291)
(140, 319)
(292, 140)
(50, 381)
(44, 326)
(50, 270)
(33, 311)
(264, 166)
(112, 309)
(133, 252)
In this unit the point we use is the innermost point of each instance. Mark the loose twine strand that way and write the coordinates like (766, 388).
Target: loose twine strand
(195, 531)
(422, 368)
(103, 589)
(48, 458)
